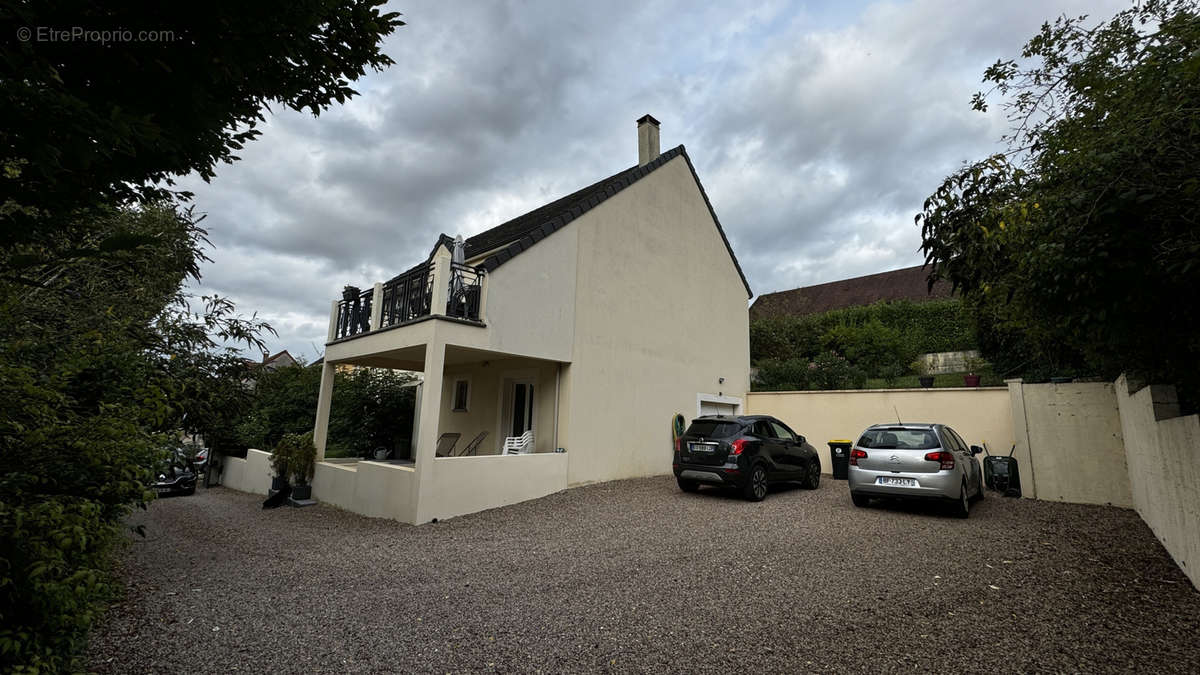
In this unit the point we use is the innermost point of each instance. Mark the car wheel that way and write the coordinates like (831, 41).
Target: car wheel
(687, 485)
(813, 481)
(962, 508)
(755, 488)
(859, 500)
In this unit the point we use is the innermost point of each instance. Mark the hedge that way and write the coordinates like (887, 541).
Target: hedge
(880, 339)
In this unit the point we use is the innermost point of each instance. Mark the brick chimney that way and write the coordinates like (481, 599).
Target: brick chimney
(647, 140)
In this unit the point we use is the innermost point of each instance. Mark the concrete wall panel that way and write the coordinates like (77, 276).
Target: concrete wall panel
(1163, 452)
(468, 484)
(252, 474)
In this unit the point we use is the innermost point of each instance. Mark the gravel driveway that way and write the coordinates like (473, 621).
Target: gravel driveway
(637, 576)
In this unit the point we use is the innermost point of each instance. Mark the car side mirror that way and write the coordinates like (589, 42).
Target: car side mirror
(976, 450)
(801, 440)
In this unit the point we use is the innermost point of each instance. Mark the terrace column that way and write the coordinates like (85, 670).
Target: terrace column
(324, 398)
(441, 281)
(376, 306)
(428, 427)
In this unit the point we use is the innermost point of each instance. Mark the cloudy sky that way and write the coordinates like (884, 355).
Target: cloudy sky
(818, 128)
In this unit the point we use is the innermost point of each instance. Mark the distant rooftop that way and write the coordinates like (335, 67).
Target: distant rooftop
(906, 284)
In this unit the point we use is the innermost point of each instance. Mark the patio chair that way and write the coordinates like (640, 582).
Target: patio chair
(519, 445)
(473, 445)
(445, 444)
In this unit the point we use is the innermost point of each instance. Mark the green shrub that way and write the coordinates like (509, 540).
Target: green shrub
(303, 457)
(827, 371)
(877, 339)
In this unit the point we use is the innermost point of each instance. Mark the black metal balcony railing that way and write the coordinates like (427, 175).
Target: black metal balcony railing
(354, 312)
(410, 296)
(465, 285)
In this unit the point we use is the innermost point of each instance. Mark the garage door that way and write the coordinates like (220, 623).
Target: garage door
(712, 408)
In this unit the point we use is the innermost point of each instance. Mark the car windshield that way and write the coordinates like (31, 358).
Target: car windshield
(898, 439)
(713, 429)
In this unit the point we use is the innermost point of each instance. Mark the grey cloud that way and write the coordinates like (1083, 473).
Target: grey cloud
(816, 130)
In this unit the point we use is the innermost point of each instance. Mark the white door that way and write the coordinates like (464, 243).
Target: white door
(714, 408)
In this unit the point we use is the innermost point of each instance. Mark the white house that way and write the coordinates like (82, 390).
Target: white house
(589, 322)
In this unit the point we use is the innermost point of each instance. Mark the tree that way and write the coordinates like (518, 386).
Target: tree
(124, 97)
(371, 408)
(1079, 247)
(90, 396)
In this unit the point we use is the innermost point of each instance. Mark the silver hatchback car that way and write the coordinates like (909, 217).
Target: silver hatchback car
(915, 461)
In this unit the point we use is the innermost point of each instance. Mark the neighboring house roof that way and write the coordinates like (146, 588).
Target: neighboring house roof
(281, 360)
(507, 240)
(910, 283)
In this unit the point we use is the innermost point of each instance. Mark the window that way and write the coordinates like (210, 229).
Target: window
(763, 429)
(782, 432)
(462, 395)
(712, 429)
(962, 445)
(898, 439)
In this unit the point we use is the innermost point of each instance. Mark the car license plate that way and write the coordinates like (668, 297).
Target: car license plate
(701, 447)
(896, 482)
(162, 488)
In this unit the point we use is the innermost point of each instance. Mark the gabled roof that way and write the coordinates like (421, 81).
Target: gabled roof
(509, 239)
(909, 283)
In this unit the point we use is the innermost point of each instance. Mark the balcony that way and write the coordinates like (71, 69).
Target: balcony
(455, 290)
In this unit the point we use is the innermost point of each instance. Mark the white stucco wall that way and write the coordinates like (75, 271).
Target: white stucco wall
(469, 484)
(530, 307)
(374, 489)
(1072, 435)
(1164, 469)
(978, 414)
(252, 474)
(660, 315)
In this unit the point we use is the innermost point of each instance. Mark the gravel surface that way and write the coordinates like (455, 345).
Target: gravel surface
(636, 576)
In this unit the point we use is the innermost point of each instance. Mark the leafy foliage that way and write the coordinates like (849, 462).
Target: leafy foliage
(880, 339)
(371, 408)
(85, 123)
(827, 371)
(90, 396)
(102, 360)
(1079, 249)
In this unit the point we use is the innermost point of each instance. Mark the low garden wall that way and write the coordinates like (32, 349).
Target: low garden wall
(1162, 450)
(375, 489)
(464, 485)
(252, 474)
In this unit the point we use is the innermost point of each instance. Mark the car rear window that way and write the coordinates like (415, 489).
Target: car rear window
(713, 429)
(898, 439)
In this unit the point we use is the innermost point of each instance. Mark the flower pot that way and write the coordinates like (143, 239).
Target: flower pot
(926, 381)
(278, 483)
(971, 380)
(301, 492)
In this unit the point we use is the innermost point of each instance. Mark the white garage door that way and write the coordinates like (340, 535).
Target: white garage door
(713, 408)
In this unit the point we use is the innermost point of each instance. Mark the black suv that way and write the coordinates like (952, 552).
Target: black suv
(746, 453)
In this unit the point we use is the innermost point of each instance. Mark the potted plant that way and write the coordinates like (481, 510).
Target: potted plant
(921, 368)
(974, 364)
(280, 460)
(303, 463)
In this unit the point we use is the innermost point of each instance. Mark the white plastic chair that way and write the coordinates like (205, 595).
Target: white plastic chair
(519, 445)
